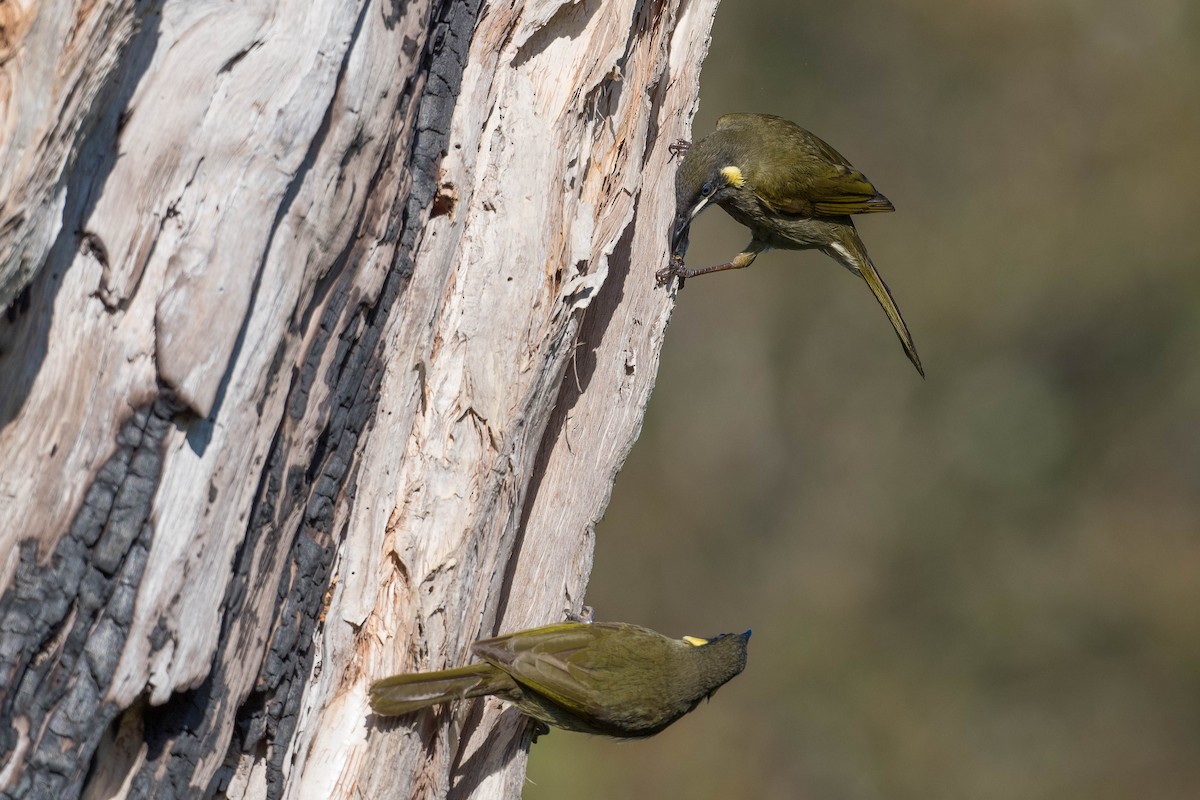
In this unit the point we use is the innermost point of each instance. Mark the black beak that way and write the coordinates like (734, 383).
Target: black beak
(679, 233)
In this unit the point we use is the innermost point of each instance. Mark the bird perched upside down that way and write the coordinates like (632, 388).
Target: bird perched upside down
(792, 190)
(607, 678)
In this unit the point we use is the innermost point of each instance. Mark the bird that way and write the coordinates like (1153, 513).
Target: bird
(607, 678)
(791, 189)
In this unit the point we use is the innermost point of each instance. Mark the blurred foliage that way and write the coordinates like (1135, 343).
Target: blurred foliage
(986, 584)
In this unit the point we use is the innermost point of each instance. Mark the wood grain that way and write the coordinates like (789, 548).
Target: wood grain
(349, 322)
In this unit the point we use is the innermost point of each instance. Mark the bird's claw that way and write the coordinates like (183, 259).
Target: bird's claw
(674, 269)
(586, 615)
(678, 148)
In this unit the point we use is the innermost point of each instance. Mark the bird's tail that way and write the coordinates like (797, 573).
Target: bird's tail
(401, 694)
(852, 254)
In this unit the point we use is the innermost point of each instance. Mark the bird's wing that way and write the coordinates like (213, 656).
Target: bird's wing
(550, 661)
(814, 179)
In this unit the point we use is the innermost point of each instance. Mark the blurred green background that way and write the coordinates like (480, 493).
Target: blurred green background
(987, 584)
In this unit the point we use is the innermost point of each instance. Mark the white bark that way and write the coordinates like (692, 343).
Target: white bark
(346, 325)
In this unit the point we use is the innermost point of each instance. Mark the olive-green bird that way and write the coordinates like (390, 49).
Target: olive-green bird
(606, 678)
(792, 190)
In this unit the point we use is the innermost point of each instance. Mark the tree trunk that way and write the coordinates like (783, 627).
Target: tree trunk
(331, 325)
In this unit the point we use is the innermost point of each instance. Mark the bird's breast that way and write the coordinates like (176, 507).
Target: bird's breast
(780, 231)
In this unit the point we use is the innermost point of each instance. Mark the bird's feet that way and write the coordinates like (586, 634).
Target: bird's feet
(679, 148)
(586, 615)
(673, 269)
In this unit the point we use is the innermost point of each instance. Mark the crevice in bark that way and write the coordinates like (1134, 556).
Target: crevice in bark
(109, 102)
(85, 177)
(285, 205)
(64, 621)
(500, 746)
(569, 20)
(266, 719)
(592, 327)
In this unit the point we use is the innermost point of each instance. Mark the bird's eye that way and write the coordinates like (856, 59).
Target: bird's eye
(706, 189)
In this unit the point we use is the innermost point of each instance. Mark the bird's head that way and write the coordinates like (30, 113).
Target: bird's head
(709, 174)
(720, 659)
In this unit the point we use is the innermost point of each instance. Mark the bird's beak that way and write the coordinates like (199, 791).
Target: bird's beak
(679, 232)
(683, 221)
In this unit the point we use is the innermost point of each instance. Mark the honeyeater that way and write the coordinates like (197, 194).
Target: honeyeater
(792, 190)
(607, 678)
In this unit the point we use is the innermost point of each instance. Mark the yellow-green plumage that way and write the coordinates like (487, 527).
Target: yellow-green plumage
(791, 189)
(605, 678)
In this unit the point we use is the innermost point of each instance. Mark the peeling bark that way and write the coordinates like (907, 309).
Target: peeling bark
(333, 327)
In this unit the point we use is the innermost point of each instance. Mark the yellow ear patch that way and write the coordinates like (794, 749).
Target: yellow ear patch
(733, 176)
(695, 641)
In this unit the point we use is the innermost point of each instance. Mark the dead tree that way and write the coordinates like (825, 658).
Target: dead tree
(328, 327)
